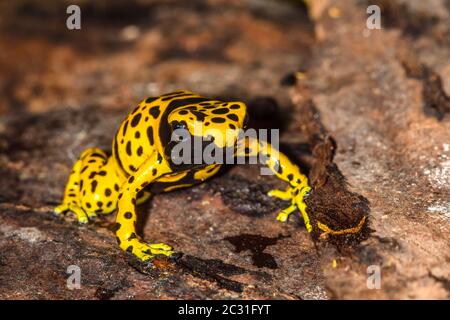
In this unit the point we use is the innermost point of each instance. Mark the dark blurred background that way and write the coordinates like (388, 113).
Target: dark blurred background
(127, 50)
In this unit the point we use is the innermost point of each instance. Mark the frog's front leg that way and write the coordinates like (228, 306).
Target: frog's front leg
(92, 187)
(284, 169)
(149, 171)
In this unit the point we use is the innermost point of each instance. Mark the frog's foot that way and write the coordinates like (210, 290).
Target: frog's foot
(58, 210)
(82, 216)
(296, 195)
(145, 251)
(284, 214)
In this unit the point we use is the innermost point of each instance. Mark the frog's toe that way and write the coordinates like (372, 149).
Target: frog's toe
(61, 209)
(284, 214)
(164, 252)
(83, 220)
(82, 217)
(145, 251)
(91, 216)
(161, 246)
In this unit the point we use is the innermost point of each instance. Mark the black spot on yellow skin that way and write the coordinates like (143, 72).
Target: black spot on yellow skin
(81, 184)
(107, 192)
(137, 135)
(131, 179)
(183, 112)
(199, 115)
(278, 168)
(84, 169)
(155, 112)
(174, 95)
(116, 227)
(290, 176)
(232, 116)
(232, 126)
(94, 185)
(128, 148)
(136, 120)
(154, 171)
(150, 135)
(220, 111)
(125, 126)
(132, 168)
(116, 187)
(99, 204)
(218, 120)
(109, 204)
(92, 161)
(150, 100)
(102, 173)
(97, 155)
(235, 106)
(139, 151)
(132, 236)
(128, 215)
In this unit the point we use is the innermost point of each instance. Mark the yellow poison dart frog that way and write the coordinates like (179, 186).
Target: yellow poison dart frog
(141, 165)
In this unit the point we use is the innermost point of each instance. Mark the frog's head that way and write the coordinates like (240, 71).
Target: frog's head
(214, 121)
(206, 123)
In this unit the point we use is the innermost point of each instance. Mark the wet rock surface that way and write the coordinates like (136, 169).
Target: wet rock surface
(372, 135)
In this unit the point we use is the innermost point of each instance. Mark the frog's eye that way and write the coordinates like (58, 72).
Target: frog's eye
(179, 131)
(307, 193)
(175, 125)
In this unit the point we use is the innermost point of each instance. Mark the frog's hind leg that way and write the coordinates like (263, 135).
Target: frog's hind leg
(93, 186)
(72, 193)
